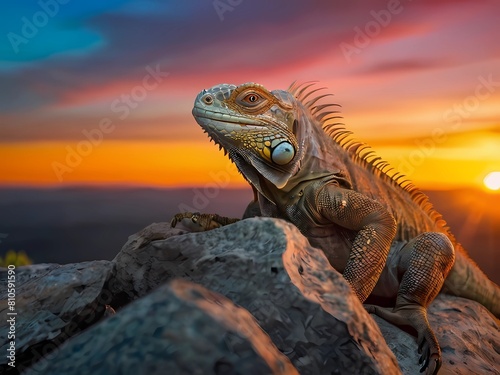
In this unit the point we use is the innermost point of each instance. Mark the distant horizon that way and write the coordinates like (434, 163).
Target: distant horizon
(231, 186)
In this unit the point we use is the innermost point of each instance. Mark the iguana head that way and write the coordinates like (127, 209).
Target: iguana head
(256, 127)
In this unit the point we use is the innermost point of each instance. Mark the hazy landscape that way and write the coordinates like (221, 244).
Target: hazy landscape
(77, 224)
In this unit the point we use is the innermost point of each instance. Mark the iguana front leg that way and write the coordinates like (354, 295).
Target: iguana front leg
(196, 222)
(375, 228)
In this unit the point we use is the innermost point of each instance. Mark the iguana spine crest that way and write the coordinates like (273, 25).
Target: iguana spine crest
(362, 153)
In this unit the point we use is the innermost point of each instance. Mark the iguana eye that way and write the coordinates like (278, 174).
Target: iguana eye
(251, 99)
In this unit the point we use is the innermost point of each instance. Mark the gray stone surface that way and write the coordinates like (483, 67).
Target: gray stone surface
(269, 268)
(180, 328)
(52, 303)
(26, 273)
(140, 268)
(263, 265)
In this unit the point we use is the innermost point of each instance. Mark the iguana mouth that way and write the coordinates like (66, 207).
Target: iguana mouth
(224, 118)
(219, 126)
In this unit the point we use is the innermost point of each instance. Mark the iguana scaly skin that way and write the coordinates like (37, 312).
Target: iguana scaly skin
(376, 228)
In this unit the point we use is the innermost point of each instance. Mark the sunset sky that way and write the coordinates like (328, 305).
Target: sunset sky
(418, 80)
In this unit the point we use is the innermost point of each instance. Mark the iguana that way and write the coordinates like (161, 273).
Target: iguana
(374, 226)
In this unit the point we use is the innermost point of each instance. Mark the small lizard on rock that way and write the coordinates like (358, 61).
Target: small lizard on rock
(375, 227)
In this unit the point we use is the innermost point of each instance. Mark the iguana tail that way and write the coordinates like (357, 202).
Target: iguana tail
(467, 280)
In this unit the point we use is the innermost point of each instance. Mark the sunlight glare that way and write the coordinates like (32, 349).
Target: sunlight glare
(492, 181)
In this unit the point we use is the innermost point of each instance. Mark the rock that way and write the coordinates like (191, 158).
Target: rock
(138, 269)
(263, 265)
(26, 273)
(52, 303)
(468, 334)
(266, 266)
(180, 328)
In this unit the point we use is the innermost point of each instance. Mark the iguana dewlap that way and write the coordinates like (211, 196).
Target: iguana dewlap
(377, 229)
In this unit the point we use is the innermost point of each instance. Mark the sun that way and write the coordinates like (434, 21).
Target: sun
(492, 181)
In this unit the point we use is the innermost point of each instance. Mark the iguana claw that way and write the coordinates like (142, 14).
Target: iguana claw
(414, 316)
(197, 222)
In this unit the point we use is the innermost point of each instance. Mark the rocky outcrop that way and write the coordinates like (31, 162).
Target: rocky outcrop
(52, 304)
(269, 268)
(180, 328)
(175, 293)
